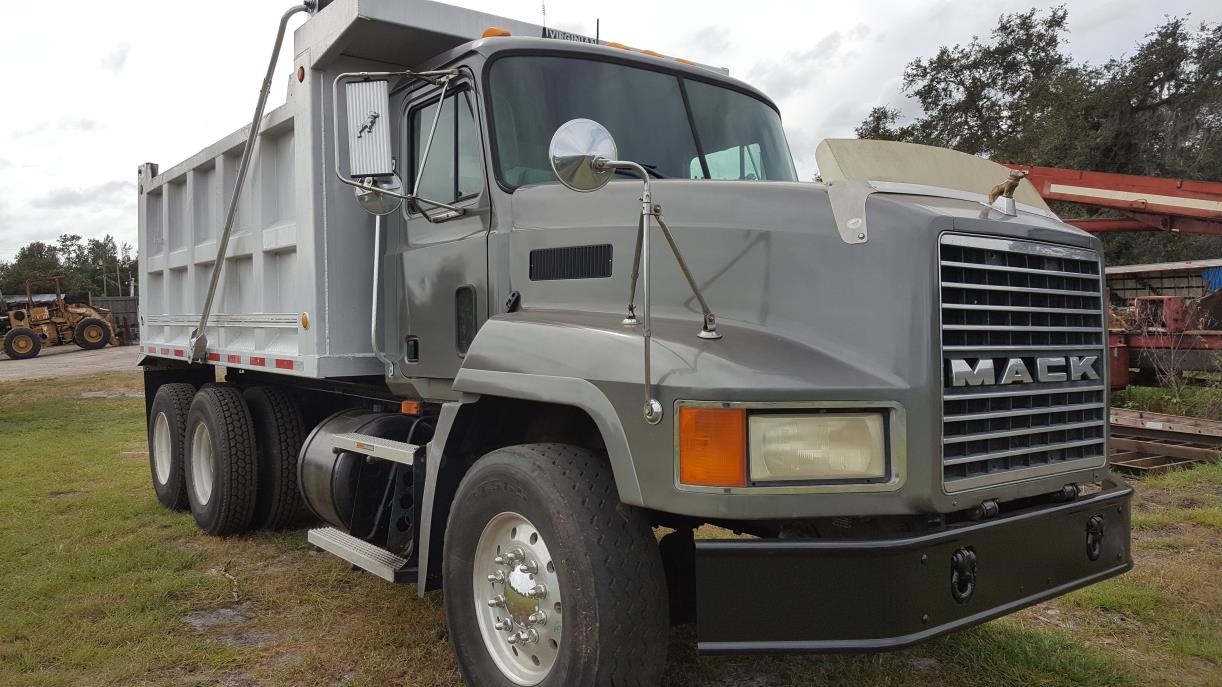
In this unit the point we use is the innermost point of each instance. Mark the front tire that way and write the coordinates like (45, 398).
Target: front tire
(601, 591)
(222, 477)
(91, 333)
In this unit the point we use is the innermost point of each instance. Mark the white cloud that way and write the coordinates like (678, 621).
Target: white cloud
(116, 58)
(91, 197)
(164, 79)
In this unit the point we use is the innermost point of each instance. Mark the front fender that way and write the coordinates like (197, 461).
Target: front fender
(593, 362)
(570, 391)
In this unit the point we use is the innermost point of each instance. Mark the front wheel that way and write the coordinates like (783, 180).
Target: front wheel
(91, 333)
(549, 579)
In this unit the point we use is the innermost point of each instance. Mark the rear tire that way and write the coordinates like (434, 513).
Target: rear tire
(606, 568)
(220, 467)
(167, 439)
(279, 434)
(22, 343)
(91, 334)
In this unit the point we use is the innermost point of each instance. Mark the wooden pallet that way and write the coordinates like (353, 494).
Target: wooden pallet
(1145, 443)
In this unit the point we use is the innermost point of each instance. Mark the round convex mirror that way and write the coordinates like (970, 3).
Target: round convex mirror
(575, 148)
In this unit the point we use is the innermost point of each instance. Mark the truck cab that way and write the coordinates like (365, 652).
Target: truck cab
(538, 311)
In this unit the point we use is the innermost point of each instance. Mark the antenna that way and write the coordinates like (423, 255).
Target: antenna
(544, 3)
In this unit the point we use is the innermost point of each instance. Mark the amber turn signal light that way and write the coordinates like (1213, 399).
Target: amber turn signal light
(495, 32)
(713, 447)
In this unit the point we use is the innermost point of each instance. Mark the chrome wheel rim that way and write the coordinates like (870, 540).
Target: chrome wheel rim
(161, 448)
(202, 464)
(517, 598)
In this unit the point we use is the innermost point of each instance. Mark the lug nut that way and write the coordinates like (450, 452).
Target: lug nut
(503, 625)
(496, 577)
(510, 557)
(536, 618)
(529, 566)
(496, 602)
(537, 592)
(515, 638)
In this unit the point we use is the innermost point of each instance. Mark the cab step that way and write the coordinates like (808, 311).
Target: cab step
(362, 554)
(386, 449)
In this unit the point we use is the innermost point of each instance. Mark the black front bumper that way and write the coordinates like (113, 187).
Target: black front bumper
(781, 595)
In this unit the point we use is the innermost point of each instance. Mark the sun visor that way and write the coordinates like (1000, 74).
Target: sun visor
(853, 159)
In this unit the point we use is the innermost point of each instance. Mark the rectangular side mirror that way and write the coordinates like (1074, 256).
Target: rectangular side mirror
(369, 122)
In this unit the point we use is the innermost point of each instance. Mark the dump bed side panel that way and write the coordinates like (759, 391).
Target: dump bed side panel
(294, 292)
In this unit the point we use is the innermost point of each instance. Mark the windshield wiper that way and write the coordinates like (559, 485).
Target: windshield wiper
(652, 169)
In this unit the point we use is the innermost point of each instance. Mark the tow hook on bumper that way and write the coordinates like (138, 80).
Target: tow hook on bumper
(873, 595)
(1094, 537)
(962, 574)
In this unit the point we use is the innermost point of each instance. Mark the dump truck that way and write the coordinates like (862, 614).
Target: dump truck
(550, 324)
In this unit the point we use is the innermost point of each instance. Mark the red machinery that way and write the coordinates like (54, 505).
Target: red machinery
(1148, 204)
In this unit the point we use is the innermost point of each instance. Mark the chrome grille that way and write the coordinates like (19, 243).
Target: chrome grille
(1005, 300)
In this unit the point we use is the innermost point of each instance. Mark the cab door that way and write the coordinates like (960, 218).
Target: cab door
(445, 255)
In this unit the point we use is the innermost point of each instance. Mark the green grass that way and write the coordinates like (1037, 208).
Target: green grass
(1202, 475)
(99, 585)
(1011, 655)
(1118, 595)
(89, 584)
(1196, 401)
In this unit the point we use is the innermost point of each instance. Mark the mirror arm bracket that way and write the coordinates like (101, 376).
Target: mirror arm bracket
(653, 408)
(709, 328)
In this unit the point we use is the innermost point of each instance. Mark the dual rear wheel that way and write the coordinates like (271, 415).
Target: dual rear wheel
(227, 456)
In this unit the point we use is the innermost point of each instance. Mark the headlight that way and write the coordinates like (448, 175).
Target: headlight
(816, 446)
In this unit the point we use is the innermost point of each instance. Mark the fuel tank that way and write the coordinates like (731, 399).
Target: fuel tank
(338, 486)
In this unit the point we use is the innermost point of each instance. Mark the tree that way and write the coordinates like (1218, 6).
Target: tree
(1018, 97)
(34, 261)
(87, 267)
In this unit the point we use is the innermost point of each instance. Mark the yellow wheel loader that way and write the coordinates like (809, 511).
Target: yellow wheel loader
(34, 326)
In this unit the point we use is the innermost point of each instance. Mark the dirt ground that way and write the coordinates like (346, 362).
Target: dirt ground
(61, 361)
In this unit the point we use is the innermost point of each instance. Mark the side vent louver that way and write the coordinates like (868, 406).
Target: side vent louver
(571, 262)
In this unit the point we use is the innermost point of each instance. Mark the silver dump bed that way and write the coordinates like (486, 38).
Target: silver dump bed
(294, 295)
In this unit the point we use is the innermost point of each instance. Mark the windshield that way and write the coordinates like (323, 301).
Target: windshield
(723, 135)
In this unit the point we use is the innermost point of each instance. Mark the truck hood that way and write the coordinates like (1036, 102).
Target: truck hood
(772, 266)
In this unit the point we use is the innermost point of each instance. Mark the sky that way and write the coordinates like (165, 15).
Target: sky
(95, 88)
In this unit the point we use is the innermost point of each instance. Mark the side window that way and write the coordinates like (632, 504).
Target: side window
(452, 171)
(739, 162)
